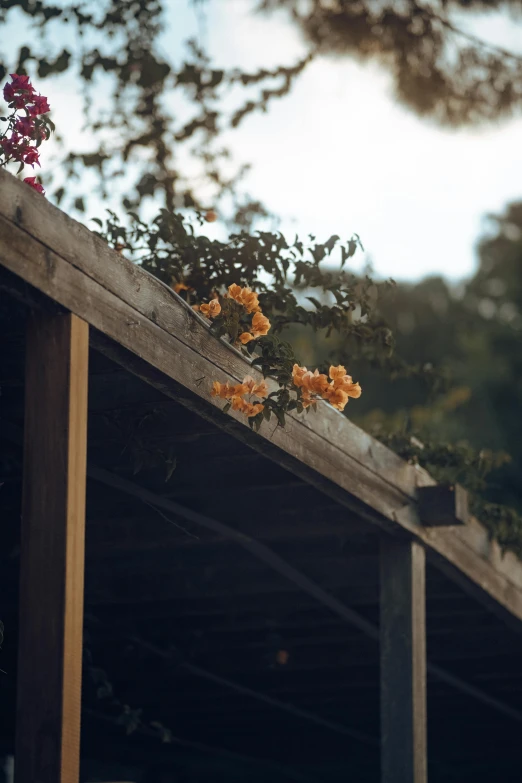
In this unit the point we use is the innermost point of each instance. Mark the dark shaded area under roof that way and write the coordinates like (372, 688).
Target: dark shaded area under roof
(156, 583)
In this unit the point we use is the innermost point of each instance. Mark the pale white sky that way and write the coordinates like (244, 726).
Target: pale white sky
(339, 155)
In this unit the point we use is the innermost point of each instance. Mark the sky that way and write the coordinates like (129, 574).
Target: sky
(340, 155)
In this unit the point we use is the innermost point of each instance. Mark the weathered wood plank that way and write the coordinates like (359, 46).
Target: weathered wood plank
(52, 551)
(403, 662)
(172, 350)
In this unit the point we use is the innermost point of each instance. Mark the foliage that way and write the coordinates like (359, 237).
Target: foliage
(199, 269)
(284, 275)
(438, 71)
(475, 332)
(475, 470)
(141, 135)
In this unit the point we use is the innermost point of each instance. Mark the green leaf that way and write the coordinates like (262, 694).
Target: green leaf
(280, 416)
(315, 302)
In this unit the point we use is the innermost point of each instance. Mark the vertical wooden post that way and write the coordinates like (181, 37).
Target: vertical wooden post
(403, 662)
(52, 551)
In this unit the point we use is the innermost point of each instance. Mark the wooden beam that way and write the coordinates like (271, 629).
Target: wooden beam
(154, 336)
(52, 551)
(403, 662)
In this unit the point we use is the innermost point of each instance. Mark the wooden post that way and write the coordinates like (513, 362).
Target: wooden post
(52, 551)
(403, 662)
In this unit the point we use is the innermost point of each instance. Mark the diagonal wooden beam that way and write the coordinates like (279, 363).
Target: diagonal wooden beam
(52, 551)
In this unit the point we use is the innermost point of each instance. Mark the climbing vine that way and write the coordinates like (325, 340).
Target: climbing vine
(254, 287)
(475, 470)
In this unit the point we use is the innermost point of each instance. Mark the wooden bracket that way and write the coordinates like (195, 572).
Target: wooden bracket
(443, 505)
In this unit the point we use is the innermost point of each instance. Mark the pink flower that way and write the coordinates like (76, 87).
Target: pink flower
(31, 181)
(19, 92)
(16, 101)
(25, 126)
(10, 146)
(18, 149)
(9, 93)
(30, 155)
(21, 83)
(41, 106)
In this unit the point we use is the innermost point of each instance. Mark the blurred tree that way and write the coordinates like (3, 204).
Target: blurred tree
(475, 332)
(141, 145)
(439, 69)
(130, 87)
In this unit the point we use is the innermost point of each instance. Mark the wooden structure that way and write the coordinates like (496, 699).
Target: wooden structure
(284, 603)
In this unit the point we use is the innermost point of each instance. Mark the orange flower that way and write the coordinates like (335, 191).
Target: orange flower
(260, 389)
(306, 399)
(257, 389)
(342, 381)
(353, 390)
(337, 373)
(182, 287)
(245, 297)
(253, 410)
(245, 337)
(227, 392)
(239, 404)
(210, 310)
(260, 325)
(222, 390)
(235, 291)
(249, 301)
(297, 375)
(336, 397)
(240, 388)
(315, 382)
(282, 657)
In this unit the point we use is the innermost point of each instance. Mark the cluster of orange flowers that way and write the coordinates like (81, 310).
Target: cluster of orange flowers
(210, 310)
(337, 389)
(247, 299)
(260, 327)
(235, 395)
